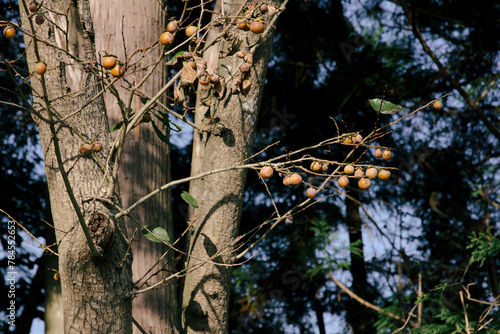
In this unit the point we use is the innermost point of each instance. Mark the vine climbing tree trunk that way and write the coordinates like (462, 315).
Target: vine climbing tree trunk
(227, 127)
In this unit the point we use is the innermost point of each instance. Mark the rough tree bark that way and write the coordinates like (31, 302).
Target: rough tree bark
(95, 289)
(227, 137)
(122, 27)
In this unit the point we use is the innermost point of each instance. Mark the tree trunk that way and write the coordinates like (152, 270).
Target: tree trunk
(95, 287)
(355, 311)
(206, 290)
(145, 162)
(53, 317)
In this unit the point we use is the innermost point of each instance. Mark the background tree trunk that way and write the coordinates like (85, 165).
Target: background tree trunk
(145, 162)
(54, 319)
(206, 290)
(84, 279)
(358, 271)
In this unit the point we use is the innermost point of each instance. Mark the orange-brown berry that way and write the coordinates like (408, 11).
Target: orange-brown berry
(266, 172)
(359, 173)
(343, 181)
(295, 179)
(371, 172)
(97, 146)
(364, 183)
(86, 150)
(311, 192)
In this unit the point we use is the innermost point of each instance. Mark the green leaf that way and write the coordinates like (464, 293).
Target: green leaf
(163, 117)
(116, 127)
(189, 199)
(144, 100)
(163, 138)
(157, 234)
(174, 58)
(385, 107)
(178, 127)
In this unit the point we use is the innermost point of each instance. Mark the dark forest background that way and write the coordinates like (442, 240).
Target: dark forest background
(435, 223)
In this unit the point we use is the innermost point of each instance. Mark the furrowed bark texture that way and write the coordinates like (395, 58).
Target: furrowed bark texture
(145, 163)
(95, 290)
(216, 222)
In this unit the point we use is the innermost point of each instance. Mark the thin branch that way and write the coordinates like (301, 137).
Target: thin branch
(454, 83)
(364, 302)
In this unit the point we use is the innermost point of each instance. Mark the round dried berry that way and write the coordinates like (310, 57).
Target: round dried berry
(387, 155)
(316, 166)
(343, 181)
(97, 146)
(371, 172)
(287, 181)
(266, 172)
(311, 192)
(244, 68)
(359, 173)
(295, 180)
(364, 183)
(349, 169)
(384, 174)
(86, 150)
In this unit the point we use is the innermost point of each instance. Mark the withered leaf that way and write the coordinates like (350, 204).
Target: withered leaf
(237, 82)
(188, 75)
(179, 96)
(206, 95)
(249, 58)
(246, 85)
(201, 66)
(220, 87)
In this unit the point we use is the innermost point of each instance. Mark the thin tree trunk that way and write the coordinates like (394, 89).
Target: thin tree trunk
(145, 162)
(95, 289)
(53, 316)
(206, 290)
(358, 272)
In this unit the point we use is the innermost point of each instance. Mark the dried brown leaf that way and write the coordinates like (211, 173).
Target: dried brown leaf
(179, 96)
(188, 75)
(237, 82)
(249, 58)
(201, 66)
(220, 87)
(246, 85)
